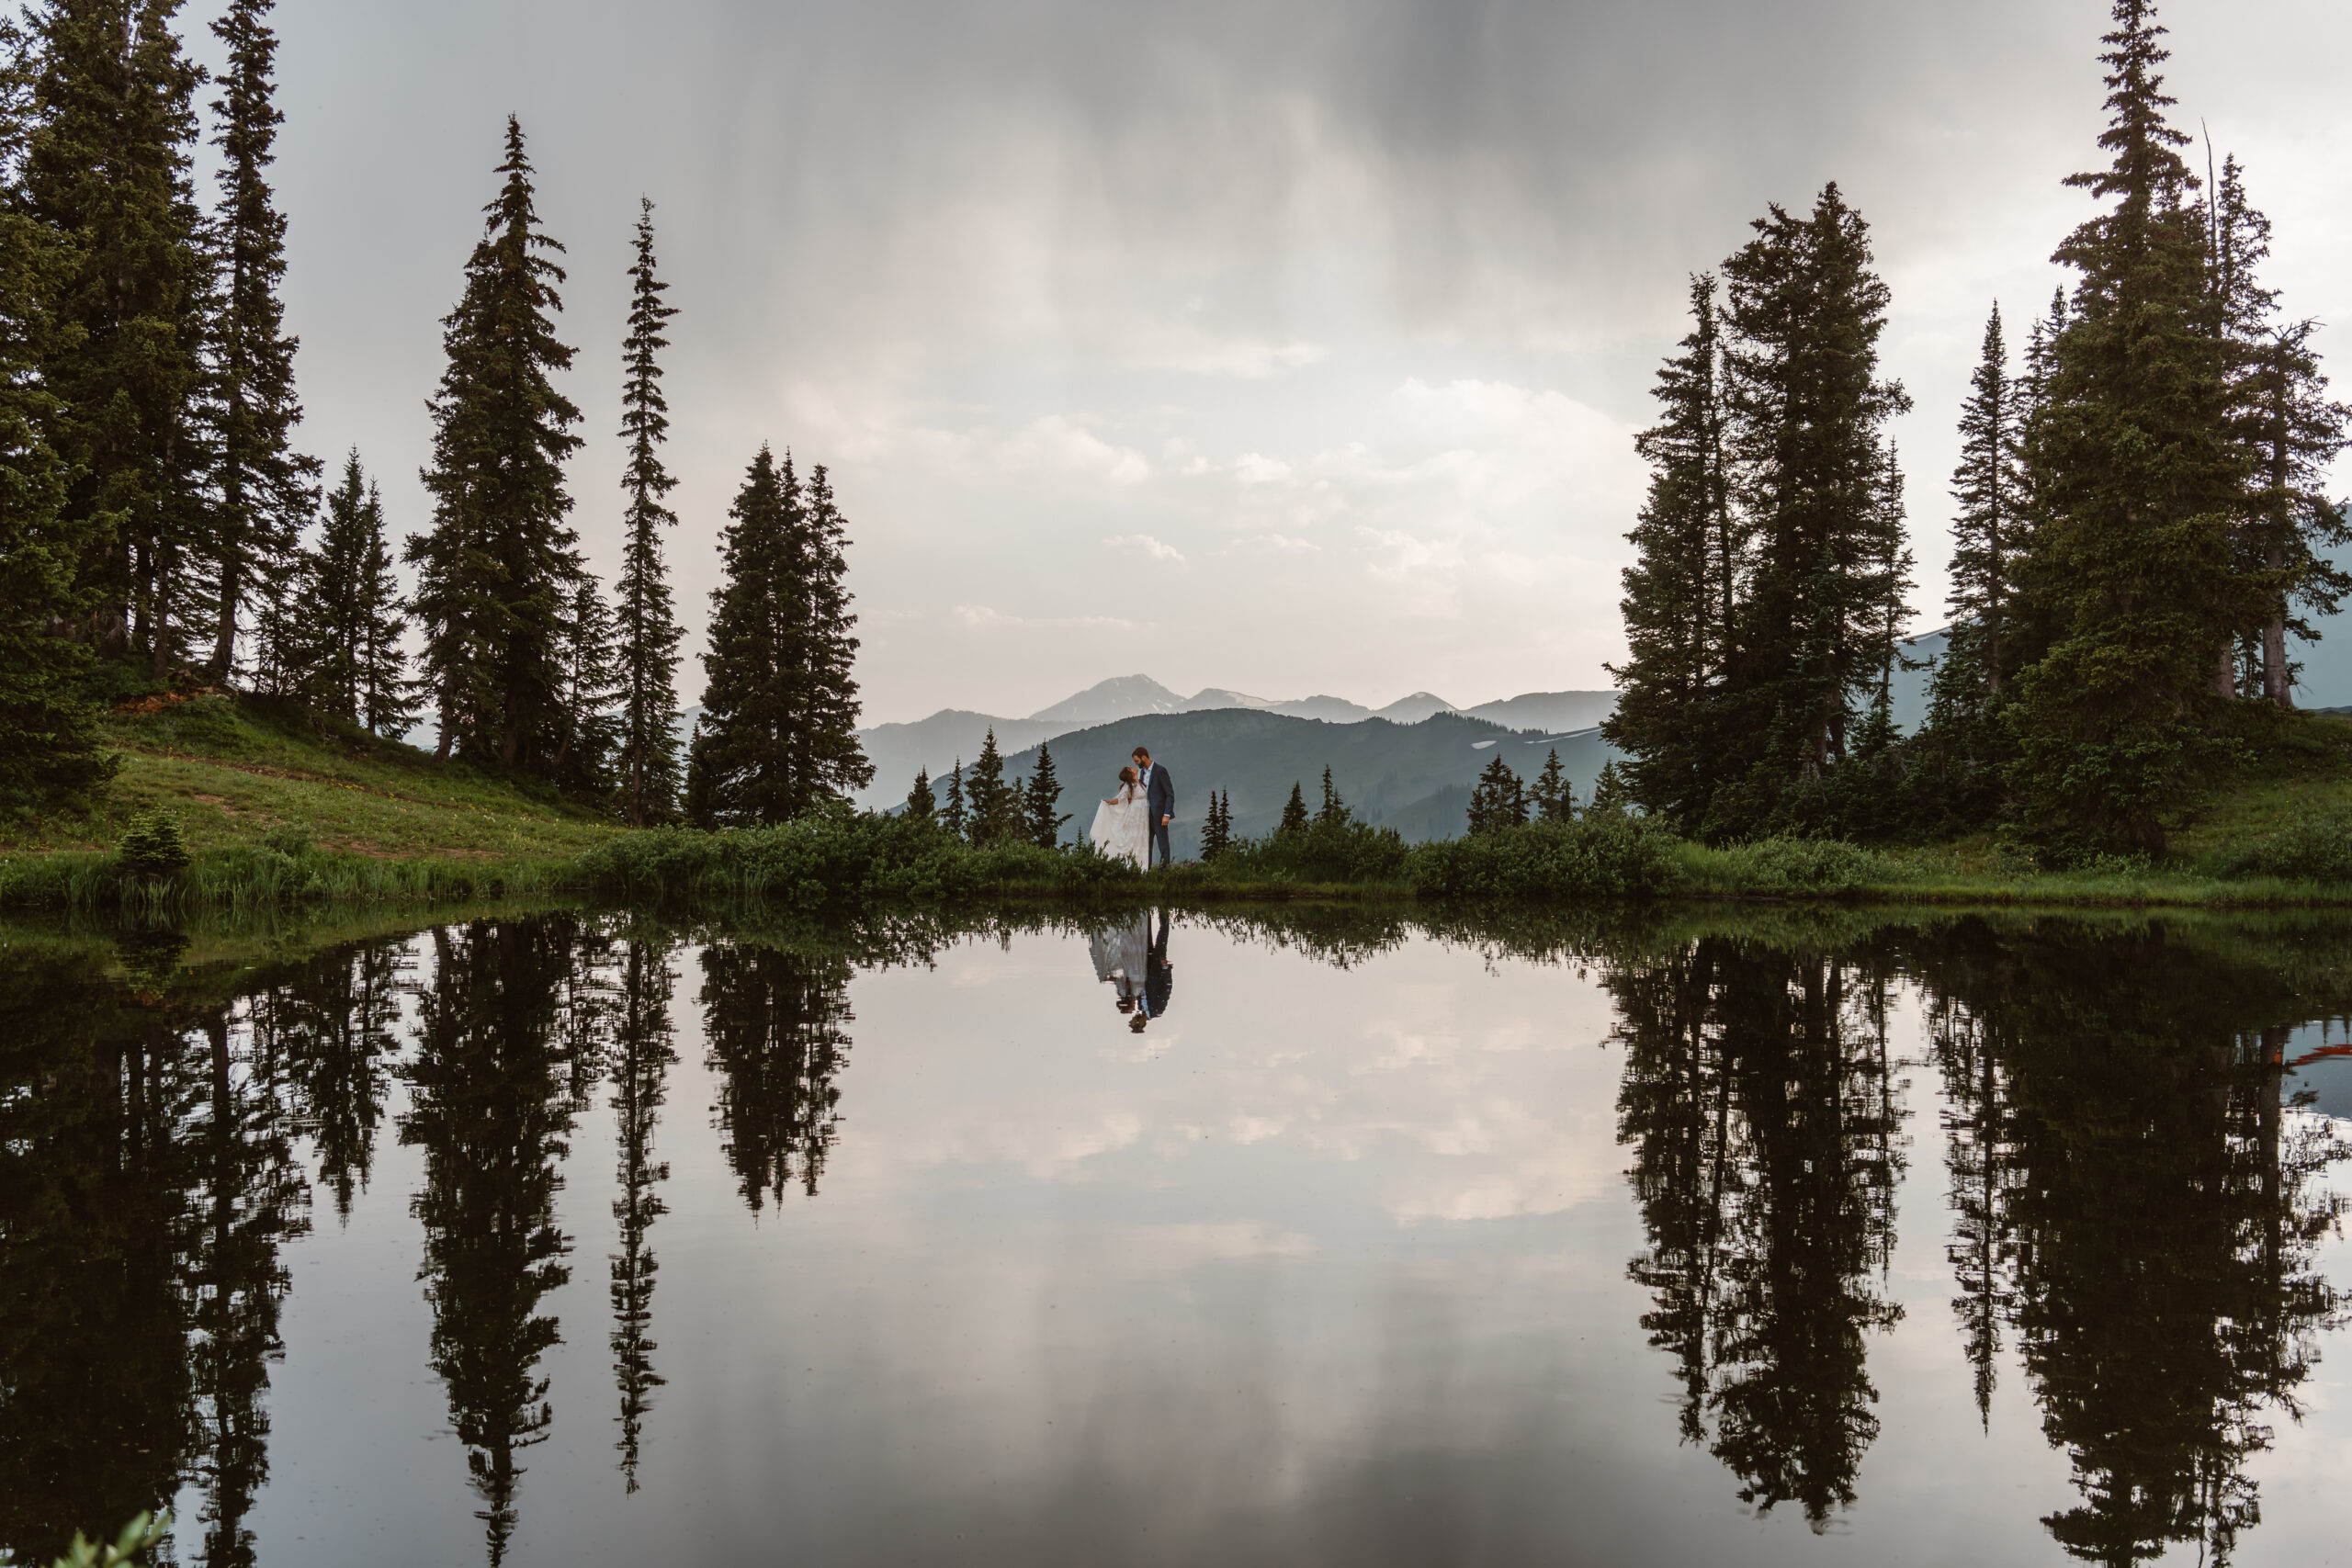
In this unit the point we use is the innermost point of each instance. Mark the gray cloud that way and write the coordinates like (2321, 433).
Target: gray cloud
(1351, 307)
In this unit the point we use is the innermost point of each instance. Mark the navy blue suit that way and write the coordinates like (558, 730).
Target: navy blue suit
(1159, 800)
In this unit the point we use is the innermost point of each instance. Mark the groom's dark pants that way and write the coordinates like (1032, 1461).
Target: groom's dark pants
(1159, 841)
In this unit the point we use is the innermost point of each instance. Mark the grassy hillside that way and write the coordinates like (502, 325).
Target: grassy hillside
(282, 808)
(231, 769)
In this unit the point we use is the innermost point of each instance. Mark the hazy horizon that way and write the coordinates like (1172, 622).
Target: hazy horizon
(1295, 348)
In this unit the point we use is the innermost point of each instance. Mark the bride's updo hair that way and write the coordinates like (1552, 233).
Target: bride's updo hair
(1126, 776)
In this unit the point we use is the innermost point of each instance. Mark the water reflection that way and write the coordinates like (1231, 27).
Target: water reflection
(492, 1106)
(1764, 1118)
(776, 1020)
(2135, 1203)
(2135, 1206)
(1131, 958)
(643, 1053)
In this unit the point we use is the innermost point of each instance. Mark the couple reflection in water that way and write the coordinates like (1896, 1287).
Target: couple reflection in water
(1131, 959)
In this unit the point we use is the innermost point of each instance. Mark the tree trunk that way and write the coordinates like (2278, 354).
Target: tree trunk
(224, 638)
(2226, 671)
(159, 635)
(2275, 682)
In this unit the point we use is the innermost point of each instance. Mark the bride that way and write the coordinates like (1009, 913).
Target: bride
(1123, 823)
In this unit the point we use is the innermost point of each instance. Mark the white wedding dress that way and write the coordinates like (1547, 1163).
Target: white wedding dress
(1123, 827)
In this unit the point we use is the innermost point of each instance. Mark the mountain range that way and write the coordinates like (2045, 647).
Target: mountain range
(951, 734)
(1409, 766)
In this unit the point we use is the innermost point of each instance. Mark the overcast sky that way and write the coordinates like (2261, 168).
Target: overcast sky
(1286, 345)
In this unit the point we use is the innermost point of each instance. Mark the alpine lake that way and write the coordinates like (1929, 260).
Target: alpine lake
(1680, 1235)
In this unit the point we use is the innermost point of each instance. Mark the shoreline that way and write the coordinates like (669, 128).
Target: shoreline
(86, 882)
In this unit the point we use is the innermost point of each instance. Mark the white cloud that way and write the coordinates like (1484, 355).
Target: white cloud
(1256, 469)
(1143, 545)
(980, 617)
(1056, 445)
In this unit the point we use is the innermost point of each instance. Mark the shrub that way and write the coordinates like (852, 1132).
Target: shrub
(840, 857)
(1807, 866)
(152, 848)
(1604, 855)
(1325, 849)
(2313, 848)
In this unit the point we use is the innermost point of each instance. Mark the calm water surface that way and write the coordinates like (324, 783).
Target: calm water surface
(593, 1239)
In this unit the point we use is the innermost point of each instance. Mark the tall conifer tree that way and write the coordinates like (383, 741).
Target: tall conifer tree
(1553, 798)
(2133, 558)
(780, 706)
(1679, 592)
(345, 613)
(387, 696)
(48, 744)
(1820, 492)
(265, 489)
(583, 762)
(108, 169)
(497, 571)
(1987, 531)
(1043, 800)
(952, 815)
(649, 632)
(1293, 818)
(2288, 431)
(995, 806)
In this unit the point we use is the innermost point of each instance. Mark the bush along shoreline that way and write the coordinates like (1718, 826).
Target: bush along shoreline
(838, 860)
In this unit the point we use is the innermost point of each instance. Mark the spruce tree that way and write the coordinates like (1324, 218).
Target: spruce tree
(265, 489)
(922, 804)
(318, 649)
(1679, 592)
(1334, 811)
(2134, 559)
(1819, 492)
(1987, 531)
(1498, 800)
(588, 737)
(1042, 803)
(2287, 432)
(1553, 798)
(1216, 829)
(830, 752)
(49, 745)
(995, 808)
(497, 573)
(107, 169)
(1610, 795)
(698, 807)
(387, 696)
(1293, 818)
(780, 704)
(952, 815)
(648, 633)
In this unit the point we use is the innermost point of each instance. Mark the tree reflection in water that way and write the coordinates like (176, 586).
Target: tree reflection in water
(1758, 1097)
(641, 1058)
(148, 1186)
(2137, 1205)
(2134, 1216)
(775, 1019)
(491, 1108)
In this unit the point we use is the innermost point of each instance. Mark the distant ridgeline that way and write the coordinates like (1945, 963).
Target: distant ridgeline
(1409, 771)
(1410, 765)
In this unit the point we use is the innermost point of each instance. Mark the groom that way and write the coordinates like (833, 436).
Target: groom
(1159, 799)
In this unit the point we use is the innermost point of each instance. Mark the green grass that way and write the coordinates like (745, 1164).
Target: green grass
(279, 809)
(232, 769)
